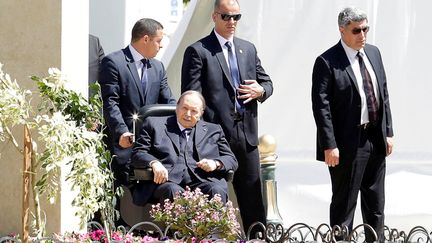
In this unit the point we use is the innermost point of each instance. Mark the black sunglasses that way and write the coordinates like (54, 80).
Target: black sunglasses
(227, 17)
(357, 31)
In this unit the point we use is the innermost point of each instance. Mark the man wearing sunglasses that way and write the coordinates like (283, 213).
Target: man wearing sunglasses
(228, 72)
(354, 123)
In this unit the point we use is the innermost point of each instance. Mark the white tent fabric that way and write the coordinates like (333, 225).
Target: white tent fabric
(289, 35)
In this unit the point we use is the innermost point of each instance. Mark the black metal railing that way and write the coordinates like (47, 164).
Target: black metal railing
(276, 233)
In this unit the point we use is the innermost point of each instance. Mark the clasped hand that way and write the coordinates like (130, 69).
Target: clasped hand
(249, 90)
(208, 165)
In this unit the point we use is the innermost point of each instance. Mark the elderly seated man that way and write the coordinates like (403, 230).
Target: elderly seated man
(183, 151)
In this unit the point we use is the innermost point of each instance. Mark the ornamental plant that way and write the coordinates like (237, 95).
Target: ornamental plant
(63, 125)
(194, 216)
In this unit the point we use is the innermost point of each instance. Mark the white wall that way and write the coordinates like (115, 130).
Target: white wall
(112, 20)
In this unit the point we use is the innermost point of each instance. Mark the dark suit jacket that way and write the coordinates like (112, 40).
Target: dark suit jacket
(337, 105)
(122, 92)
(205, 70)
(160, 140)
(96, 53)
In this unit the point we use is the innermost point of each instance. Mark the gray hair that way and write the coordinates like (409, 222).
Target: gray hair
(193, 92)
(351, 14)
(144, 27)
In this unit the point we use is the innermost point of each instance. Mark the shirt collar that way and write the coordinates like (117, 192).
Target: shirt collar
(351, 53)
(135, 54)
(180, 127)
(222, 40)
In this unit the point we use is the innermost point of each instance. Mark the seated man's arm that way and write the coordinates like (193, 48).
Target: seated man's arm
(225, 160)
(141, 154)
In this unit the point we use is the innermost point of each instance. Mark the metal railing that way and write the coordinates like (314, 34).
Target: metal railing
(277, 233)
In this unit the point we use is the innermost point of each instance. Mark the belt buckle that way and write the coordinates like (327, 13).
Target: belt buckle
(365, 126)
(368, 125)
(237, 116)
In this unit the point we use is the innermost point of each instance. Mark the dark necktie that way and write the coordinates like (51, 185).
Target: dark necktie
(186, 132)
(235, 75)
(372, 103)
(185, 156)
(144, 78)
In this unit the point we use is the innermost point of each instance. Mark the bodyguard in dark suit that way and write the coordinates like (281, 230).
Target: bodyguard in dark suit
(182, 151)
(96, 54)
(354, 124)
(131, 78)
(232, 80)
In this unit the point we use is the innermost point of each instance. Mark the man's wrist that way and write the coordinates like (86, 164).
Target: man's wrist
(152, 163)
(261, 97)
(219, 165)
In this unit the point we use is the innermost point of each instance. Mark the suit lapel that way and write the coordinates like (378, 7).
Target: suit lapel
(346, 63)
(241, 59)
(375, 63)
(200, 133)
(221, 58)
(173, 132)
(134, 72)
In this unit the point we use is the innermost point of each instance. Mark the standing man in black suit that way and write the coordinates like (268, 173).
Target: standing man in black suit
(96, 54)
(131, 78)
(354, 124)
(228, 72)
(183, 151)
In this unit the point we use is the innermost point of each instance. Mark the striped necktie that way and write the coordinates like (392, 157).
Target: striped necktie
(372, 103)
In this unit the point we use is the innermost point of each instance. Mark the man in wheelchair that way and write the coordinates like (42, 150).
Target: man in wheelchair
(183, 151)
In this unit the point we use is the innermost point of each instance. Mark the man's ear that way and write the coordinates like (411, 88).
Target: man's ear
(341, 30)
(146, 38)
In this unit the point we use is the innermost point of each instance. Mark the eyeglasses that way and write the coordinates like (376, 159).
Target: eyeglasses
(357, 31)
(227, 17)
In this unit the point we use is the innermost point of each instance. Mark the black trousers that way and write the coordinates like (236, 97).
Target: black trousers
(247, 180)
(365, 173)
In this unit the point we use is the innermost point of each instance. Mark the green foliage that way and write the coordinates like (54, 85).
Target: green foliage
(67, 126)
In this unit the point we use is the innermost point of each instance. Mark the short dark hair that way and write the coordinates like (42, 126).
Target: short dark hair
(145, 26)
(193, 92)
(217, 3)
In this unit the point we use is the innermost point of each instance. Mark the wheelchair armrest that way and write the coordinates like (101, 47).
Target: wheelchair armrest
(142, 174)
(146, 174)
(229, 176)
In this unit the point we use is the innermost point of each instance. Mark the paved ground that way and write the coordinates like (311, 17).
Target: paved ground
(304, 193)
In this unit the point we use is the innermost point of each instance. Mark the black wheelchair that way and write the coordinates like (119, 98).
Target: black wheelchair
(130, 213)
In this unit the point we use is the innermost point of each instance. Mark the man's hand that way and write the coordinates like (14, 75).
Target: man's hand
(126, 140)
(160, 172)
(207, 165)
(331, 157)
(389, 145)
(250, 90)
